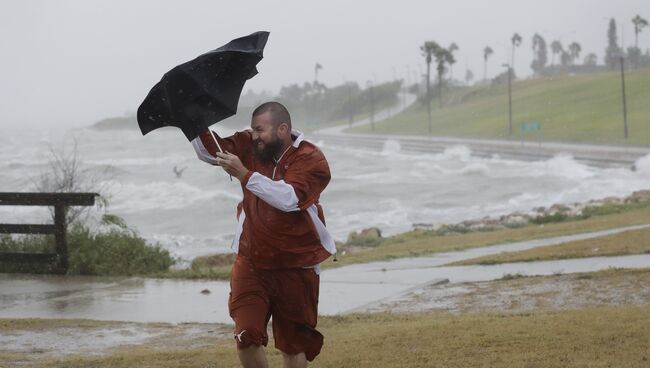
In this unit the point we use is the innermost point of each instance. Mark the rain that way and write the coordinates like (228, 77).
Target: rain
(477, 152)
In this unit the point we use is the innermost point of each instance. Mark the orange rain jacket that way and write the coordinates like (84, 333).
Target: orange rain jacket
(280, 221)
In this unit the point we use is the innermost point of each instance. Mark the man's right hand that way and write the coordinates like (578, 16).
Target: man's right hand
(231, 164)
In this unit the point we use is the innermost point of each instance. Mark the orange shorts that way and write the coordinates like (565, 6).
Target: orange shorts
(290, 296)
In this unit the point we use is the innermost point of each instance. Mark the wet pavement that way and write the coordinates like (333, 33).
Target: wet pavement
(343, 290)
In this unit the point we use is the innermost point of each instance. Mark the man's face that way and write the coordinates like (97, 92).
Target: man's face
(266, 143)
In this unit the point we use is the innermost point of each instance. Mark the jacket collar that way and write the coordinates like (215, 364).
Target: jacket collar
(300, 136)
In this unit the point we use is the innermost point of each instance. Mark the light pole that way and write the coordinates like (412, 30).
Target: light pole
(372, 105)
(624, 102)
(509, 98)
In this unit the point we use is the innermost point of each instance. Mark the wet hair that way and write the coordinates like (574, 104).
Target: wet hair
(279, 113)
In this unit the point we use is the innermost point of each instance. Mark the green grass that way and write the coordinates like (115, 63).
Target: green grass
(420, 243)
(583, 108)
(625, 243)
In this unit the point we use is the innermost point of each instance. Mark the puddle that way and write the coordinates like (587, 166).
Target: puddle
(342, 290)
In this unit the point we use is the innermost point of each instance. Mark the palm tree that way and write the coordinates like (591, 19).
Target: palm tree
(469, 75)
(487, 51)
(453, 47)
(317, 67)
(428, 49)
(516, 41)
(539, 50)
(591, 59)
(443, 56)
(639, 23)
(556, 48)
(574, 51)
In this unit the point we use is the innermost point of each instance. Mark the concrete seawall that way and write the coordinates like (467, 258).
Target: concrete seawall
(594, 155)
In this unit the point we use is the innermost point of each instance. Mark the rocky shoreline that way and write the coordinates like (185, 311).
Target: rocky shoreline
(539, 215)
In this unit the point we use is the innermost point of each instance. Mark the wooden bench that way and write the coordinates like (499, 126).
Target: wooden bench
(60, 201)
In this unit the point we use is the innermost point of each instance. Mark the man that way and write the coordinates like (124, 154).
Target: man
(281, 236)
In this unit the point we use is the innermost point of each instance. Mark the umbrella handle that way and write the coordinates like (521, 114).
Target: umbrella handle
(216, 142)
(218, 147)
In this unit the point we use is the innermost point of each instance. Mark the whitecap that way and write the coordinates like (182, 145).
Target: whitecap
(157, 195)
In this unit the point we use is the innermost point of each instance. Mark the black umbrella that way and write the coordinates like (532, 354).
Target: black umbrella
(201, 92)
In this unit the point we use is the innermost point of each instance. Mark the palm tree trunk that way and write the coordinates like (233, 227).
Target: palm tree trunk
(485, 69)
(440, 90)
(429, 95)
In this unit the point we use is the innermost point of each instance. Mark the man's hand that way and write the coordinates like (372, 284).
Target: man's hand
(232, 165)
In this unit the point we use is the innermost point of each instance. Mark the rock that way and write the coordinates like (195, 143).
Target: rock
(638, 196)
(515, 219)
(369, 233)
(423, 226)
(558, 208)
(367, 237)
(205, 291)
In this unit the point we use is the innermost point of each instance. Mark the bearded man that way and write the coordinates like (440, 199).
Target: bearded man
(281, 236)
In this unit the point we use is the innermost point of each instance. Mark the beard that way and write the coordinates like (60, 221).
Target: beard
(267, 154)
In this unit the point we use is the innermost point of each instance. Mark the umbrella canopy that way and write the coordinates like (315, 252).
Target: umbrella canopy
(203, 91)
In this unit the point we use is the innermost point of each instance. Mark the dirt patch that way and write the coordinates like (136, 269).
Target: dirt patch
(522, 294)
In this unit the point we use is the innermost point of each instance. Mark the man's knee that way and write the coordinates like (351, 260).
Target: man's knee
(247, 336)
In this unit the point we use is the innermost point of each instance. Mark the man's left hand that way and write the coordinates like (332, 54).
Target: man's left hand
(232, 165)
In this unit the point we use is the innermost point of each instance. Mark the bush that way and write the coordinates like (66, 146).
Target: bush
(546, 219)
(118, 251)
(26, 244)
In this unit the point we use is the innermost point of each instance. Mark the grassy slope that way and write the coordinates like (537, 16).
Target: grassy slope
(580, 108)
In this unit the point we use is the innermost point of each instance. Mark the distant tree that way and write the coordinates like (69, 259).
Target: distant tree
(539, 49)
(634, 56)
(65, 175)
(591, 60)
(443, 56)
(635, 53)
(556, 48)
(612, 52)
(565, 58)
(452, 48)
(428, 49)
(516, 41)
(317, 67)
(639, 24)
(574, 51)
(487, 51)
(469, 76)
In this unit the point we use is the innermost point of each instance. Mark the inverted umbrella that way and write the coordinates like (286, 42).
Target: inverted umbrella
(194, 95)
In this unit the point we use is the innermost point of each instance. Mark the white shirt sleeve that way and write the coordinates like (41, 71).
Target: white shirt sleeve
(202, 152)
(277, 193)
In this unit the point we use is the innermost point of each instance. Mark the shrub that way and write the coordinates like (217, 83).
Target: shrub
(118, 251)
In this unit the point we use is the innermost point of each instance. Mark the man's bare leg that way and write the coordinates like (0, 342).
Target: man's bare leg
(253, 357)
(294, 361)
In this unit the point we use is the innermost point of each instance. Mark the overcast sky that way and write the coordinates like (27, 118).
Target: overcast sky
(71, 63)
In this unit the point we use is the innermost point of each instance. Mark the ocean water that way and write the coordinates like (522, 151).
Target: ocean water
(195, 214)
